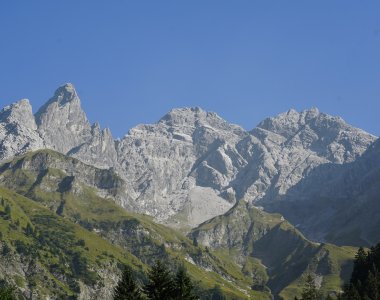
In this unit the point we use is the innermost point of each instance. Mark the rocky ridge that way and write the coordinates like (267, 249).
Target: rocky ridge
(18, 130)
(337, 203)
(189, 154)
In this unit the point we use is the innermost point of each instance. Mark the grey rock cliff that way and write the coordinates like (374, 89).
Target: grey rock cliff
(282, 150)
(18, 130)
(64, 127)
(61, 121)
(191, 165)
(338, 203)
(99, 150)
(169, 162)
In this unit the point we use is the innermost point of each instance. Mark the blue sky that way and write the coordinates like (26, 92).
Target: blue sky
(132, 61)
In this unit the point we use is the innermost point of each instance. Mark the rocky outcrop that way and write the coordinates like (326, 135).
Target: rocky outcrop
(279, 252)
(191, 165)
(282, 150)
(99, 150)
(337, 203)
(61, 122)
(18, 130)
(58, 173)
(166, 161)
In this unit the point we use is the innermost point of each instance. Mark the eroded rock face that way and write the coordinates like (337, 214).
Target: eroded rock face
(18, 130)
(61, 121)
(191, 165)
(338, 203)
(99, 150)
(283, 150)
(166, 161)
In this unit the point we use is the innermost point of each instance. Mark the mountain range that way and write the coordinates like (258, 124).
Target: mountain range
(295, 178)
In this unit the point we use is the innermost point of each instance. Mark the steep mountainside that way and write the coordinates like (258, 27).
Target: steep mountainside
(79, 239)
(190, 170)
(18, 130)
(246, 251)
(191, 165)
(48, 257)
(187, 153)
(284, 149)
(338, 203)
(274, 253)
(64, 127)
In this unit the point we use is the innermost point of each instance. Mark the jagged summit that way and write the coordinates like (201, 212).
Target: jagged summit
(20, 111)
(187, 119)
(61, 121)
(18, 130)
(188, 115)
(288, 123)
(191, 163)
(65, 94)
(329, 136)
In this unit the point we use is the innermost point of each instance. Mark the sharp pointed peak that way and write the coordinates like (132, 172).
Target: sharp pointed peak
(22, 104)
(65, 94)
(19, 112)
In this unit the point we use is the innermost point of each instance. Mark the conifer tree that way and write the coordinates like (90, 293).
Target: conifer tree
(365, 278)
(372, 286)
(7, 210)
(184, 288)
(161, 284)
(6, 292)
(217, 293)
(351, 293)
(29, 230)
(127, 288)
(310, 291)
(360, 267)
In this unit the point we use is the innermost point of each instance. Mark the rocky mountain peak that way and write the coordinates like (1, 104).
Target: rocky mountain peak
(194, 120)
(186, 116)
(66, 94)
(289, 123)
(61, 121)
(18, 130)
(191, 162)
(311, 125)
(19, 112)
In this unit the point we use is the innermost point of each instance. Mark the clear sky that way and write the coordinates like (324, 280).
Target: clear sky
(132, 61)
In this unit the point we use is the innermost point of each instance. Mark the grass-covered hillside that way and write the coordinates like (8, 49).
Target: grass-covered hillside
(44, 254)
(66, 227)
(61, 222)
(274, 253)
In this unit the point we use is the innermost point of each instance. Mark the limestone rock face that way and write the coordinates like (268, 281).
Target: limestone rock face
(64, 127)
(61, 121)
(337, 203)
(165, 161)
(18, 130)
(191, 165)
(282, 150)
(99, 150)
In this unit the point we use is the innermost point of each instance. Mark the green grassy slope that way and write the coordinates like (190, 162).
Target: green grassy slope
(274, 252)
(246, 251)
(138, 239)
(65, 254)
